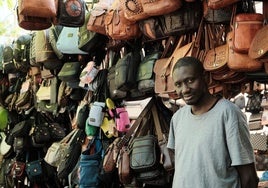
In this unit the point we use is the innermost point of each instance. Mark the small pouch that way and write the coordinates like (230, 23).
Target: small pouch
(96, 114)
(34, 169)
(122, 119)
(18, 170)
(108, 127)
(89, 73)
(124, 170)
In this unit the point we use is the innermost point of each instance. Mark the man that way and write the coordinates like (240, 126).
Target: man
(209, 135)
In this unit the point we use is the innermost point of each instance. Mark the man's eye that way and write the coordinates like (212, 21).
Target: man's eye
(189, 81)
(177, 84)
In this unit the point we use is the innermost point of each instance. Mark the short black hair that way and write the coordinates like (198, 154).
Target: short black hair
(189, 61)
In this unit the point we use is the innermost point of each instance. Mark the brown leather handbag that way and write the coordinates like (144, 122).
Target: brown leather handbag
(96, 22)
(216, 58)
(38, 8)
(33, 23)
(258, 48)
(117, 26)
(245, 26)
(240, 62)
(217, 4)
(160, 7)
(136, 10)
(124, 171)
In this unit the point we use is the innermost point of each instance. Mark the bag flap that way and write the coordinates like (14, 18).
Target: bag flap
(259, 47)
(97, 12)
(216, 58)
(160, 66)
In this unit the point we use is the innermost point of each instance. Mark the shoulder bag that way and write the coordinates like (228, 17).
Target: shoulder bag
(71, 13)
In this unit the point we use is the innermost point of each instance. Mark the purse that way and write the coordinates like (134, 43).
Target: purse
(70, 154)
(18, 170)
(145, 74)
(90, 164)
(69, 35)
(71, 13)
(258, 48)
(44, 91)
(96, 114)
(89, 41)
(117, 26)
(122, 119)
(70, 72)
(245, 27)
(124, 171)
(56, 150)
(96, 22)
(240, 62)
(34, 169)
(217, 4)
(44, 9)
(126, 71)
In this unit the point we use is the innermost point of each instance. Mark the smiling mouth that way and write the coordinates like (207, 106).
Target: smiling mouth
(187, 97)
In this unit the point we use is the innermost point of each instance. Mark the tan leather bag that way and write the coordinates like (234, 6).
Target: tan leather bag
(217, 4)
(33, 23)
(96, 22)
(216, 58)
(39, 8)
(118, 27)
(160, 7)
(240, 62)
(163, 68)
(136, 10)
(245, 27)
(258, 48)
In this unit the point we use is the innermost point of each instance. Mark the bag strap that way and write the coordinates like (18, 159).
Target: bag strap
(160, 135)
(68, 138)
(135, 125)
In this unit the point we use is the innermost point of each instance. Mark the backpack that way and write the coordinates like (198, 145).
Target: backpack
(21, 52)
(8, 62)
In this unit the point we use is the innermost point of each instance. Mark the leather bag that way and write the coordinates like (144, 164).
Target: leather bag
(245, 27)
(182, 21)
(38, 8)
(163, 68)
(118, 27)
(216, 59)
(258, 48)
(124, 171)
(71, 13)
(96, 21)
(241, 62)
(217, 4)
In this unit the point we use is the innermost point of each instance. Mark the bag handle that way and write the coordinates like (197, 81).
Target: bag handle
(69, 137)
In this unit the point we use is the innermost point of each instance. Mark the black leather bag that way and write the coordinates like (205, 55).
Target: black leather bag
(254, 103)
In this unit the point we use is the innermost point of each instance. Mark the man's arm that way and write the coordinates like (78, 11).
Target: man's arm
(248, 175)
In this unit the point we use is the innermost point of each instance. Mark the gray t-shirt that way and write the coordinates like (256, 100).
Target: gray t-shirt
(208, 146)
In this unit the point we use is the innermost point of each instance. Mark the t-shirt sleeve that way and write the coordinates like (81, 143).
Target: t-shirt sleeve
(238, 138)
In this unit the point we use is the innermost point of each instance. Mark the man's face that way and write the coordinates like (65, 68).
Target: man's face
(189, 84)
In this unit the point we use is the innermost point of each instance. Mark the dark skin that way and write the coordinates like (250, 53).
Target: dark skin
(192, 88)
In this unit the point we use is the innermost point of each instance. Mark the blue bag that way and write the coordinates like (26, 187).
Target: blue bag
(90, 164)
